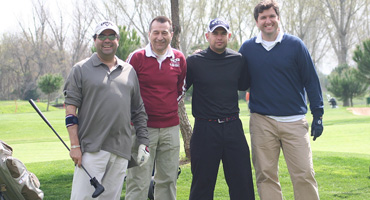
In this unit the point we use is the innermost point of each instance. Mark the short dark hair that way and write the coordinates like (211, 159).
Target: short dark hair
(265, 5)
(161, 19)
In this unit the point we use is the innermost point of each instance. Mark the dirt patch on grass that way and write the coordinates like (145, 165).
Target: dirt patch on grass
(360, 111)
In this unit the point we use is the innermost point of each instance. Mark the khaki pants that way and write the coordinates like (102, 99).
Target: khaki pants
(109, 169)
(267, 137)
(164, 150)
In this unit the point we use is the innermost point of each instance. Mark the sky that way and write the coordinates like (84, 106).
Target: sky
(11, 11)
(14, 11)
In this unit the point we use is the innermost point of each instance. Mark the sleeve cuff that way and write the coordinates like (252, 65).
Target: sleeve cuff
(317, 113)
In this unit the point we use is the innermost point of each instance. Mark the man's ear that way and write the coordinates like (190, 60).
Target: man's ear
(206, 35)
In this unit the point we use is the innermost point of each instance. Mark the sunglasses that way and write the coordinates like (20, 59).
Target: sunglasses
(110, 37)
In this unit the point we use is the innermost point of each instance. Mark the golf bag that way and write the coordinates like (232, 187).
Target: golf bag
(16, 183)
(333, 102)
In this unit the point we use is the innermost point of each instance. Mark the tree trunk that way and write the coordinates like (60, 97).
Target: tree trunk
(47, 107)
(346, 102)
(175, 43)
(185, 127)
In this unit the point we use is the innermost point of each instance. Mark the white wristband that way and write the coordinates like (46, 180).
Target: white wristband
(75, 146)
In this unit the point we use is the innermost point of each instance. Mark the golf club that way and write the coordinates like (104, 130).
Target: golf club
(98, 187)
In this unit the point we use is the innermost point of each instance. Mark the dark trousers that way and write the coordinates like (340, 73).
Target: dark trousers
(212, 142)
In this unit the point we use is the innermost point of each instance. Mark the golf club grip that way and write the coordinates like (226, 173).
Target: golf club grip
(46, 121)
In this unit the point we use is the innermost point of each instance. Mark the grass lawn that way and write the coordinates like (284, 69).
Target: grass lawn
(341, 154)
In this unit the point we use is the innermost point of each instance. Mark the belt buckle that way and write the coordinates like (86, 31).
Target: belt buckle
(220, 121)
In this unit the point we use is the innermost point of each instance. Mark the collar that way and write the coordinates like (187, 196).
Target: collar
(97, 62)
(279, 38)
(217, 54)
(149, 52)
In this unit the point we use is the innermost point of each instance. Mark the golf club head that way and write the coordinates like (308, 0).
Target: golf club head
(98, 187)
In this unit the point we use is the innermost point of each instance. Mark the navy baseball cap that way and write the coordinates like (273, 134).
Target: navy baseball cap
(215, 23)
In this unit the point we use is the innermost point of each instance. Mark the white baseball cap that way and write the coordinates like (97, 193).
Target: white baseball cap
(104, 25)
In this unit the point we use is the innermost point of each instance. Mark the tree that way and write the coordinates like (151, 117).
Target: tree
(342, 15)
(50, 83)
(345, 85)
(19, 72)
(175, 15)
(128, 42)
(83, 22)
(241, 19)
(35, 52)
(362, 58)
(7, 71)
(59, 31)
(299, 17)
(185, 127)
(136, 13)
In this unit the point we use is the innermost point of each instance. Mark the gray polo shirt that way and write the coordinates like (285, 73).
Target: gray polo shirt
(107, 103)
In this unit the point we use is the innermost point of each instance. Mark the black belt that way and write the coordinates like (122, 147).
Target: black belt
(222, 120)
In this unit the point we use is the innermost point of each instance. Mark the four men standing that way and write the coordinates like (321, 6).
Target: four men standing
(107, 93)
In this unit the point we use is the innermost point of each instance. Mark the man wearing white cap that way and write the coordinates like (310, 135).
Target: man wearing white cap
(216, 75)
(105, 91)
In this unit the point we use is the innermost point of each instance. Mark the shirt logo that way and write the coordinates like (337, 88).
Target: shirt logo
(175, 62)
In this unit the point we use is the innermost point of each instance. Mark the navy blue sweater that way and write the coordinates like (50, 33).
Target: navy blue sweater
(280, 78)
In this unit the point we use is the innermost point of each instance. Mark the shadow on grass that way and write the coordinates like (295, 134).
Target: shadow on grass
(351, 194)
